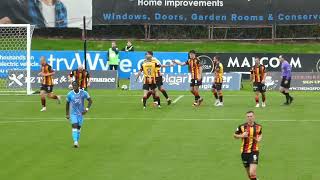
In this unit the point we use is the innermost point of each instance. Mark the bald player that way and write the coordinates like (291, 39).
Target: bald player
(81, 76)
(46, 89)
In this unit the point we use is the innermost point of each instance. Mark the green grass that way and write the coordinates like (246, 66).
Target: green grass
(201, 46)
(120, 141)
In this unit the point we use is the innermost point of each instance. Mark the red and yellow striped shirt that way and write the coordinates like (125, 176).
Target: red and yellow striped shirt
(47, 80)
(258, 72)
(249, 144)
(81, 77)
(149, 70)
(194, 68)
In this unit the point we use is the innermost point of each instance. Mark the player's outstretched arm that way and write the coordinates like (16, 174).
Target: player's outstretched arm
(169, 65)
(138, 75)
(179, 63)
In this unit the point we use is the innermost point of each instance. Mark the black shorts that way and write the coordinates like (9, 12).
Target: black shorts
(250, 158)
(284, 84)
(195, 82)
(159, 81)
(46, 88)
(259, 87)
(113, 67)
(217, 86)
(149, 87)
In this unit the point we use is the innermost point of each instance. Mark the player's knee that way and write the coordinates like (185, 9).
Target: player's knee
(253, 172)
(75, 125)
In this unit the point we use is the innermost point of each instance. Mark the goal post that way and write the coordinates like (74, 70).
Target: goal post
(15, 58)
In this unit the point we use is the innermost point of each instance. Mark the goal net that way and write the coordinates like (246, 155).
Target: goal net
(15, 58)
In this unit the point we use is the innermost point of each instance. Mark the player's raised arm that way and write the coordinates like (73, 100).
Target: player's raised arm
(71, 75)
(179, 63)
(139, 73)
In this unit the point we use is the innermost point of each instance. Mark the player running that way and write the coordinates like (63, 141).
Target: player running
(149, 70)
(286, 80)
(258, 76)
(75, 110)
(218, 80)
(82, 76)
(251, 135)
(47, 83)
(195, 68)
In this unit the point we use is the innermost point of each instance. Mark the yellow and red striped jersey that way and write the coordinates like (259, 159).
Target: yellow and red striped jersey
(149, 70)
(47, 80)
(249, 144)
(81, 77)
(194, 68)
(258, 72)
(218, 72)
(158, 68)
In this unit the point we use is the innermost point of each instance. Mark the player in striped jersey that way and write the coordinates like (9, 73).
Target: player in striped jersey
(251, 134)
(258, 77)
(82, 76)
(195, 69)
(218, 80)
(159, 79)
(149, 70)
(47, 83)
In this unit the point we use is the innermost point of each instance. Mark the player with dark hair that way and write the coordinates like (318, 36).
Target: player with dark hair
(195, 68)
(251, 135)
(286, 80)
(47, 83)
(75, 110)
(82, 76)
(218, 80)
(258, 77)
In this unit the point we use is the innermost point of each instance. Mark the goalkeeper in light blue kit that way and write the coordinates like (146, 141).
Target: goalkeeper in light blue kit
(75, 110)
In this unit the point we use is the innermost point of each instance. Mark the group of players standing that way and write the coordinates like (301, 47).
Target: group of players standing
(250, 132)
(151, 69)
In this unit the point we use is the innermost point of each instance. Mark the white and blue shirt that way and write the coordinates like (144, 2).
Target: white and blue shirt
(76, 101)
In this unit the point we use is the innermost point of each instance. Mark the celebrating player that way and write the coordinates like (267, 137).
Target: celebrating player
(149, 69)
(251, 134)
(47, 83)
(75, 102)
(82, 76)
(286, 80)
(218, 80)
(258, 76)
(159, 79)
(195, 68)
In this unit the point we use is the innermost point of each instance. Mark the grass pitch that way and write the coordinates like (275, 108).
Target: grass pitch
(120, 141)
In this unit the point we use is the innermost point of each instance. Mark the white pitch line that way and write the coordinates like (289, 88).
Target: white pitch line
(39, 120)
(177, 99)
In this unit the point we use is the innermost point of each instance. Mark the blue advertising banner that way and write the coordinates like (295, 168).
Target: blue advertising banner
(130, 62)
(181, 81)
